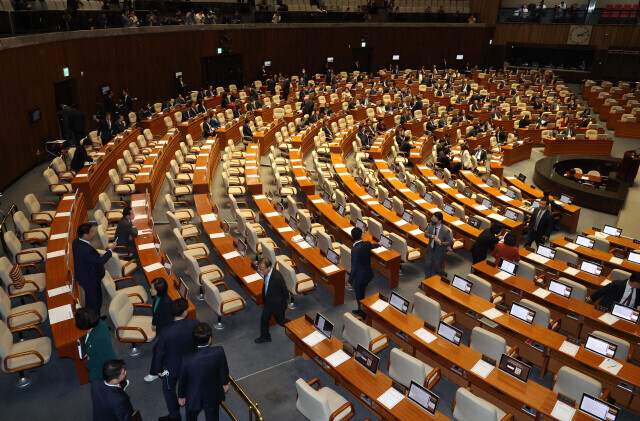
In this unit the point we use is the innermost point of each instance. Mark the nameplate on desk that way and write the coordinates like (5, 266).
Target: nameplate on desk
(252, 278)
(347, 229)
(62, 214)
(390, 398)
(201, 168)
(442, 186)
(616, 260)
(505, 198)
(153, 266)
(562, 411)
(204, 155)
(537, 258)
(330, 269)
(138, 203)
(230, 255)
(57, 291)
(53, 254)
(147, 174)
(69, 197)
(206, 147)
(433, 178)
(303, 178)
(372, 202)
(317, 201)
(425, 335)
(147, 246)
(385, 170)
(339, 166)
(59, 236)
(147, 166)
(259, 197)
(284, 229)
(492, 313)
(405, 190)
(459, 196)
(145, 231)
(60, 314)
(303, 245)
(141, 216)
(209, 217)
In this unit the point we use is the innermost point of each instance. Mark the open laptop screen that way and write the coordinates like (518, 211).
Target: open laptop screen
(598, 408)
(450, 333)
(628, 313)
(367, 359)
(521, 312)
(424, 398)
(399, 303)
(323, 325)
(560, 288)
(600, 346)
(515, 368)
(462, 284)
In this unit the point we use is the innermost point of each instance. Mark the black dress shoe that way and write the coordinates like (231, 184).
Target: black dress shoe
(103, 317)
(262, 340)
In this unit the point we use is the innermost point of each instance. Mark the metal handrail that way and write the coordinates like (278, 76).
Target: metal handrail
(254, 412)
(3, 225)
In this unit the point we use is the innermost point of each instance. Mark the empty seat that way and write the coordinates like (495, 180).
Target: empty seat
(222, 302)
(19, 316)
(130, 328)
(24, 355)
(428, 310)
(469, 407)
(405, 368)
(573, 384)
(36, 213)
(356, 332)
(26, 257)
(490, 344)
(321, 403)
(482, 289)
(543, 315)
(136, 293)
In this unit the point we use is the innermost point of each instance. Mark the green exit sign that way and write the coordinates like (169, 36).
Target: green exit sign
(65, 71)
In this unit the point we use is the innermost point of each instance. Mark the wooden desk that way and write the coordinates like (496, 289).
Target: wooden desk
(495, 163)
(206, 165)
(213, 102)
(422, 150)
(352, 376)
(156, 124)
(303, 180)
(584, 177)
(193, 127)
(516, 152)
(267, 136)
(266, 113)
(625, 243)
(452, 130)
(65, 334)
(252, 169)
(456, 362)
(321, 270)
(608, 260)
(628, 128)
(150, 255)
(577, 147)
(230, 131)
(153, 172)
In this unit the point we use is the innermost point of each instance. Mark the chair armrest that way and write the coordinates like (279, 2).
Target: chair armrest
(211, 271)
(128, 253)
(242, 203)
(316, 381)
(494, 298)
(65, 185)
(134, 328)
(124, 184)
(22, 354)
(514, 352)
(508, 417)
(231, 300)
(130, 262)
(48, 203)
(446, 316)
(142, 305)
(305, 280)
(25, 294)
(378, 339)
(120, 202)
(605, 395)
(219, 283)
(432, 378)
(17, 286)
(28, 251)
(33, 241)
(555, 324)
(125, 278)
(29, 327)
(135, 294)
(22, 313)
(47, 218)
(342, 408)
(181, 204)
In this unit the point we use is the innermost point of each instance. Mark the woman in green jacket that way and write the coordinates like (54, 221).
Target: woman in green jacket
(98, 347)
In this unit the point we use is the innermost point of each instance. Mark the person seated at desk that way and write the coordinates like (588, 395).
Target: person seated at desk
(406, 116)
(571, 174)
(399, 134)
(313, 117)
(564, 123)
(236, 112)
(362, 136)
(524, 123)
(179, 100)
(487, 240)
(233, 97)
(126, 232)
(570, 131)
(145, 112)
(406, 145)
(585, 113)
(82, 155)
(543, 121)
(327, 131)
(463, 117)
(215, 123)
(474, 106)
(480, 153)
(328, 111)
(201, 108)
(247, 134)
(475, 130)
(189, 112)
(417, 105)
(207, 128)
(369, 129)
(465, 157)
(166, 104)
(507, 249)
(380, 127)
(585, 123)
(622, 292)
(536, 103)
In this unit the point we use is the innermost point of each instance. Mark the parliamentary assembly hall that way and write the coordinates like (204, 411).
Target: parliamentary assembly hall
(324, 210)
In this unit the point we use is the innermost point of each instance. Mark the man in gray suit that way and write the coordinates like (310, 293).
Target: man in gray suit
(439, 239)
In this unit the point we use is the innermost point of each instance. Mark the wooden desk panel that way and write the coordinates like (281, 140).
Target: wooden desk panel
(192, 127)
(628, 129)
(252, 169)
(597, 256)
(153, 172)
(300, 174)
(206, 165)
(577, 147)
(230, 131)
(156, 124)
(423, 149)
(267, 136)
(517, 152)
(625, 243)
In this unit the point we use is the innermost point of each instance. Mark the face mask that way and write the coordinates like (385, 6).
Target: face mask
(434, 223)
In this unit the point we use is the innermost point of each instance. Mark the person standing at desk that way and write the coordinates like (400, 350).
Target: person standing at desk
(110, 401)
(275, 296)
(204, 378)
(486, 241)
(161, 315)
(440, 238)
(88, 266)
(207, 128)
(361, 272)
(82, 155)
(97, 342)
(105, 129)
(508, 249)
(126, 232)
(540, 224)
(622, 292)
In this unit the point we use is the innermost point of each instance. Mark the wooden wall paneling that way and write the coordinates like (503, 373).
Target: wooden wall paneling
(486, 10)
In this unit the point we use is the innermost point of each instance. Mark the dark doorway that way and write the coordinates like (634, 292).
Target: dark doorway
(364, 56)
(67, 93)
(223, 70)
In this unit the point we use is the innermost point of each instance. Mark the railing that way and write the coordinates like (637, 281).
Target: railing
(254, 412)
(3, 225)
(578, 16)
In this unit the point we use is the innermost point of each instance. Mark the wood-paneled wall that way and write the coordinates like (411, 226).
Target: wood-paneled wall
(145, 63)
(487, 10)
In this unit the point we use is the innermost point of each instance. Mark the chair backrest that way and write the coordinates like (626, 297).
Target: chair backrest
(313, 405)
(212, 297)
(618, 274)
(21, 222)
(543, 315)
(109, 284)
(355, 331)
(426, 309)
(480, 287)
(179, 239)
(526, 270)
(6, 342)
(469, 407)
(120, 310)
(50, 176)
(404, 368)
(174, 222)
(397, 205)
(345, 258)
(102, 237)
(324, 241)
(420, 219)
(488, 343)
(573, 384)
(567, 256)
(600, 243)
(399, 244)
(31, 203)
(13, 243)
(578, 291)
(622, 352)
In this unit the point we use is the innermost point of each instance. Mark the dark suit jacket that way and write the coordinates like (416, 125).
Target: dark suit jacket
(207, 130)
(88, 265)
(327, 132)
(108, 104)
(106, 133)
(110, 403)
(277, 296)
(174, 341)
(99, 350)
(545, 225)
(361, 270)
(612, 293)
(307, 108)
(485, 242)
(482, 155)
(162, 314)
(271, 86)
(203, 374)
(123, 231)
(79, 158)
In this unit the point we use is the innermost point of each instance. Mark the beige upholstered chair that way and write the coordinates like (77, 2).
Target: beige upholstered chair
(198, 251)
(16, 283)
(399, 244)
(186, 230)
(55, 186)
(130, 328)
(36, 213)
(26, 257)
(355, 332)
(106, 204)
(136, 293)
(298, 283)
(321, 403)
(202, 274)
(428, 310)
(28, 234)
(184, 214)
(405, 368)
(24, 355)
(483, 289)
(222, 302)
(469, 407)
(543, 315)
(573, 384)
(120, 188)
(490, 344)
(178, 190)
(17, 317)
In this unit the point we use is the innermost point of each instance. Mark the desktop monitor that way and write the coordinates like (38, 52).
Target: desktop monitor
(400, 177)
(422, 397)
(387, 203)
(341, 210)
(591, 268)
(598, 409)
(332, 256)
(452, 183)
(600, 346)
(547, 252)
(279, 208)
(360, 224)
(487, 203)
(166, 262)
(242, 248)
(395, 57)
(467, 193)
(510, 213)
(371, 191)
(439, 174)
(359, 181)
(329, 59)
(511, 193)
(450, 333)
(508, 266)
(224, 225)
(564, 198)
(489, 182)
(407, 216)
(521, 312)
(293, 224)
(474, 222)
(326, 196)
(634, 257)
(311, 239)
(522, 177)
(462, 284)
(399, 303)
(428, 197)
(183, 290)
(369, 360)
(448, 209)
(514, 368)
(385, 242)
(584, 241)
(323, 325)
(413, 187)
(629, 314)
(560, 288)
(614, 231)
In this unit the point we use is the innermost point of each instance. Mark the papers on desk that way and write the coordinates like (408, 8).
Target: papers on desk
(510, 178)
(379, 250)
(69, 197)
(339, 166)
(260, 196)
(385, 170)
(271, 214)
(252, 278)
(216, 235)
(480, 207)
(379, 305)
(434, 210)
(420, 201)
(285, 229)
(231, 255)
(401, 222)
(610, 365)
(138, 203)
(425, 335)
(616, 260)
(459, 196)
(601, 235)
(304, 245)
(62, 214)
(53, 254)
(314, 338)
(537, 258)
(432, 178)
(571, 271)
(505, 198)
(347, 229)
(608, 318)
(146, 246)
(337, 358)
(483, 186)
(492, 313)
(209, 217)
(60, 314)
(571, 246)
(569, 348)
(503, 275)
(482, 368)
(541, 292)
(390, 398)
(416, 231)
(366, 197)
(562, 411)
(59, 236)
(140, 216)
(457, 222)
(317, 201)
(297, 238)
(59, 290)
(301, 178)
(497, 217)
(442, 186)
(371, 202)
(201, 168)
(330, 269)
(153, 266)
(392, 179)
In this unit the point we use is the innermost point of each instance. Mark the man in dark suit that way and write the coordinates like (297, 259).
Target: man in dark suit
(304, 78)
(286, 87)
(126, 232)
(540, 224)
(271, 84)
(88, 266)
(204, 378)
(105, 129)
(327, 131)
(439, 239)
(275, 296)
(127, 101)
(570, 131)
(486, 241)
(120, 125)
(207, 128)
(108, 102)
(174, 341)
(110, 402)
(188, 112)
(480, 153)
(307, 108)
(361, 272)
(622, 292)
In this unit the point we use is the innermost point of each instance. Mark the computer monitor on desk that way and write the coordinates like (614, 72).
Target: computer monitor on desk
(323, 325)
(600, 346)
(514, 368)
(369, 360)
(591, 268)
(242, 248)
(508, 266)
(521, 312)
(629, 314)
(583, 241)
(183, 290)
(450, 333)
(360, 224)
(399, 303)
(613, 231)
(385, 242)
(598, 409)
(424, 398)
(462, 284)
(332, 256)
(560, 288)
(547, 252)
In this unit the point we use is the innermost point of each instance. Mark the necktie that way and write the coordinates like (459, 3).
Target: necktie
(627, 300)
(435, 234)
(535, 228)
